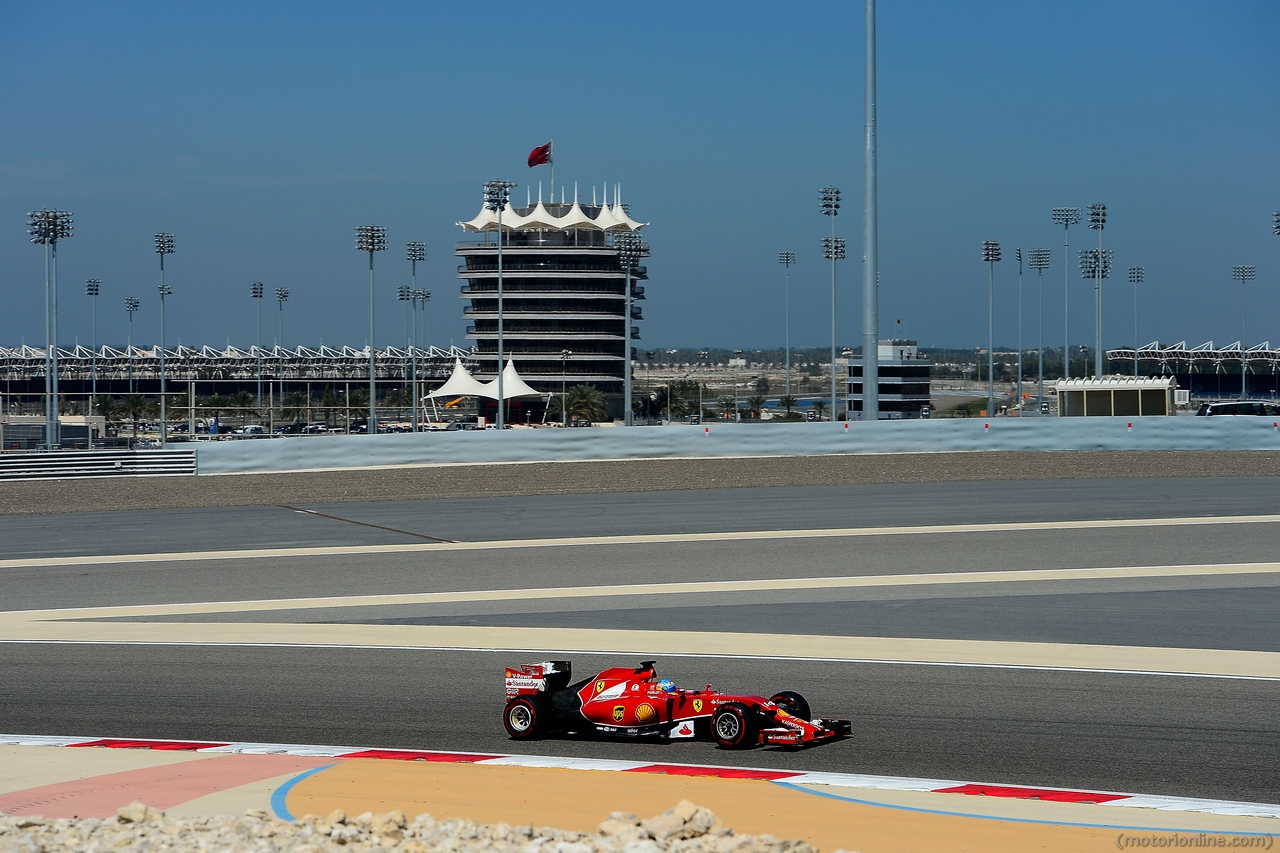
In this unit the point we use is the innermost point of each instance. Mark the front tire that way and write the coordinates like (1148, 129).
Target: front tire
(793, 703)
(526, 717)
(734, 727)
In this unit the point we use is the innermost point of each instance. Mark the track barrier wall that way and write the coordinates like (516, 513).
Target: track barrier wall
(737, 440)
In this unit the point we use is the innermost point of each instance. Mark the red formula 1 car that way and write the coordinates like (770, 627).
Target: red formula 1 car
(633, 702)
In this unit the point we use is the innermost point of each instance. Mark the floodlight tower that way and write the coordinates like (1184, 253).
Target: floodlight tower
(164, 246)
(282, 296)
(1137, 275)
(496, 197)
(1098, 222)
(131, 305)
(371, 238)
(833, 250)
(991, 256)
(1018, 254)
(787, 259)
(1095, 264)
(46, 228)
(870, 225)
(1243, 274)
(415, 252)
(1038, 260)
(255, 291)
(91, 286)
(630, 250)
(1066, 217)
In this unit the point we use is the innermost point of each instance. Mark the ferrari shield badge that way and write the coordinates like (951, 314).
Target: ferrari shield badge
(600, 685)
(697, 706)
(618, 712)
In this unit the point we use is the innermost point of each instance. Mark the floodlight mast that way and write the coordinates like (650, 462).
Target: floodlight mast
(870, 219)
(1066, 217)
(415, 252)
(370, 238)
(1098, 222)
(991, 256)
(1137, 275)
(131, 305)
(255, 292)
(282, 296)
(787, 259)
(1038, 260)
(91, 287)
(164, 246)
(1243, 274)
(833, 250)
(497, 195)
(630, 250)
(46, 228)
(1018, 402)
(1095, 264)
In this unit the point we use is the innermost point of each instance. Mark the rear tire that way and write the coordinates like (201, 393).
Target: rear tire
(526, 717)
(735, 727)
(793, 703)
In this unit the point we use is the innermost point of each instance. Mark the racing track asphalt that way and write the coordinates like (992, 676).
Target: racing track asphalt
(1203, 737)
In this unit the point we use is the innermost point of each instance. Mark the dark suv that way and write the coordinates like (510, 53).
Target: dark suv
(1242, 407)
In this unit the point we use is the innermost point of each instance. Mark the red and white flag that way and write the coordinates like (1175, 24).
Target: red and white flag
(540, 155)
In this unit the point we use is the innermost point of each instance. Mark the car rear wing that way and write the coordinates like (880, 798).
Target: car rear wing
(545, 677)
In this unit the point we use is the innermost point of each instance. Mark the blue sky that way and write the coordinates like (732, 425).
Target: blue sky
(262, 134)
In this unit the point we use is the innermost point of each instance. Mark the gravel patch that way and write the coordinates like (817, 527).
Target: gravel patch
(639, 475)
(686, 828)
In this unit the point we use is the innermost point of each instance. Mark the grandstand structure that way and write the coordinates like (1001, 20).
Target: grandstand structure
(22, 369)
(1207, 369)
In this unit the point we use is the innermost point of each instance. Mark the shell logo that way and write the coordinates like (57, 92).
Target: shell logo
(645, 713)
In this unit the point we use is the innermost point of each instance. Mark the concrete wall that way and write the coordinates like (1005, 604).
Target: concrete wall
(726, 440)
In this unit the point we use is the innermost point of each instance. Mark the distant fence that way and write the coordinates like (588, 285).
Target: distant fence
(739, 440)
(61, 464)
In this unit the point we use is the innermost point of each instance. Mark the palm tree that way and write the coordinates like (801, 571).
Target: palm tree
(787, 401)
(328, 403)
(726, 406)
(398, 398)
(213, 406)
(754, 404)
(820, 406)
(586, 402)
(245, 402)
(294, 405)
(137, 406)
(107, 406)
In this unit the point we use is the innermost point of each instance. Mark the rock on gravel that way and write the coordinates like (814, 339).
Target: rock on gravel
(684, 829)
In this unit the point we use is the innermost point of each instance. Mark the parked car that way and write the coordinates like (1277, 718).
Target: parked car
(1240, 407)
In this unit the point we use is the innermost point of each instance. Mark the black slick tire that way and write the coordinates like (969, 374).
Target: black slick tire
(526, 717)
(735, 726)
(793, 703)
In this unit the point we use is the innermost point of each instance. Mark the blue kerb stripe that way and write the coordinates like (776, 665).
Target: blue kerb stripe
(804, 790)
(280, 794)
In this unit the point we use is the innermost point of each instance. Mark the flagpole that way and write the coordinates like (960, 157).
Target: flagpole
(551, 158)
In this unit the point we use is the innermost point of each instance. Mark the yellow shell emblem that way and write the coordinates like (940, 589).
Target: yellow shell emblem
(618, 712)
(697, 706)
(645, 713)
(600, 685)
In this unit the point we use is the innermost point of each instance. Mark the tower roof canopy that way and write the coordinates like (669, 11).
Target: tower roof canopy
(542, 219)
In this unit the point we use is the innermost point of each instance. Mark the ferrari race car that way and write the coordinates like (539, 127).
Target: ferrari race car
(633, 702)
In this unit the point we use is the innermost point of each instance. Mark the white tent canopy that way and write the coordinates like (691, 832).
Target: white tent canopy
(460, 384)
(513, 387)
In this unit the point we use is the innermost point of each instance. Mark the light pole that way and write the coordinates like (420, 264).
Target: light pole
(164, 246)
(282, 296)
(131, 305)
(990, 256)
(1137, 275)
(496, 194)
(870, 220)
(703, 355)
(1066, 217)
(833, 250)
(564, 387)
(370, 238)
(1038, 260)
(46, 228)
(420, 297)
(1096, 264)
(91, 287)
(416, 251)
(404, 293)
(786, 259)
(1098, 222)
(737, 414)
(255, 291)
(1018, 402)
(1243, 274)
(630, 250)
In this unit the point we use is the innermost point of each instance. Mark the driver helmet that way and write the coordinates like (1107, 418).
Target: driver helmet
(667, 685)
